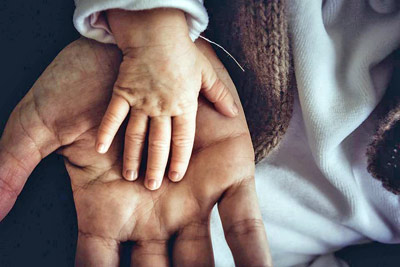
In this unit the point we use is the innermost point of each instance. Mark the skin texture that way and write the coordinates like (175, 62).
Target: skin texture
(63, 111)
(159, 81)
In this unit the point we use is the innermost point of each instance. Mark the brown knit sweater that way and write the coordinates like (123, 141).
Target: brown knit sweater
(256, 32)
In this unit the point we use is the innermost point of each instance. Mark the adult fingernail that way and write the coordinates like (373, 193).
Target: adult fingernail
(152, 184)
(101, 148)
(235, 109)
(131, 175)
(174, 176)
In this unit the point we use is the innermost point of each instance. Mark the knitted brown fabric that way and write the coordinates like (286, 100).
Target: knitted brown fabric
(384, 152)
(256, 33)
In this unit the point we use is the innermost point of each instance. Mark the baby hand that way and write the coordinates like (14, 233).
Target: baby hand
(159, 81)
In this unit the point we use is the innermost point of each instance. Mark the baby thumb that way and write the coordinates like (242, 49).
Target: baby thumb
(217, 92)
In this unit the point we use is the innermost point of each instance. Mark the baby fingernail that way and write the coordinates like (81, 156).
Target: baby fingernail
(101, 148)
(131, 175)
(152, 184)
(174, 176)
(235, 109)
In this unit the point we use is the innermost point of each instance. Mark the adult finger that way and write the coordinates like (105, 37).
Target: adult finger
(112, 120)
(96, 251)
(135, 136)
(217, 92)
(24, 142)
(183, 131)
(159, 146)
(243, 225)
(150, 253)
(193, 246)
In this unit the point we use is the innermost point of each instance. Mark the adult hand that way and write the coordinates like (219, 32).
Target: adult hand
(64, 109)
(65, 102)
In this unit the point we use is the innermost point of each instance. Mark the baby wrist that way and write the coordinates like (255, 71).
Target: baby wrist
(155, 27)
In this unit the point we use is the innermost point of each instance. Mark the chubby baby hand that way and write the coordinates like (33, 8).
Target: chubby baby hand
(158, 84)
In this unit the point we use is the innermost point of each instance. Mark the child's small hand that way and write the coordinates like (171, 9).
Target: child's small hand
(159, 81)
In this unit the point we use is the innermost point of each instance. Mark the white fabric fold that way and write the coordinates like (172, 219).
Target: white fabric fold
(315, 193)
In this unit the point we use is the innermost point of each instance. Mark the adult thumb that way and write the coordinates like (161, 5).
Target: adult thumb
(23, 144)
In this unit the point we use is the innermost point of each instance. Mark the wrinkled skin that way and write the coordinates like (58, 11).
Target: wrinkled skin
(63, 111)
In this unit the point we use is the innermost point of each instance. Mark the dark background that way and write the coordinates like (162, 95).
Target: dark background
(41, 229)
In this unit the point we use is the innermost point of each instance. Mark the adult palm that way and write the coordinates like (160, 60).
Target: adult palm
(63, 110)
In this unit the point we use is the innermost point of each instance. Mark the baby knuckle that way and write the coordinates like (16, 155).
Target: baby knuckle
(111, 118)
(120, 90)
(182, 141)
(105, 131)
(158, 145)
(179, 162)
(221, 94)
(215, 86)
(155, 169)
(136, 138)
(162, 105)
(131, 158)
